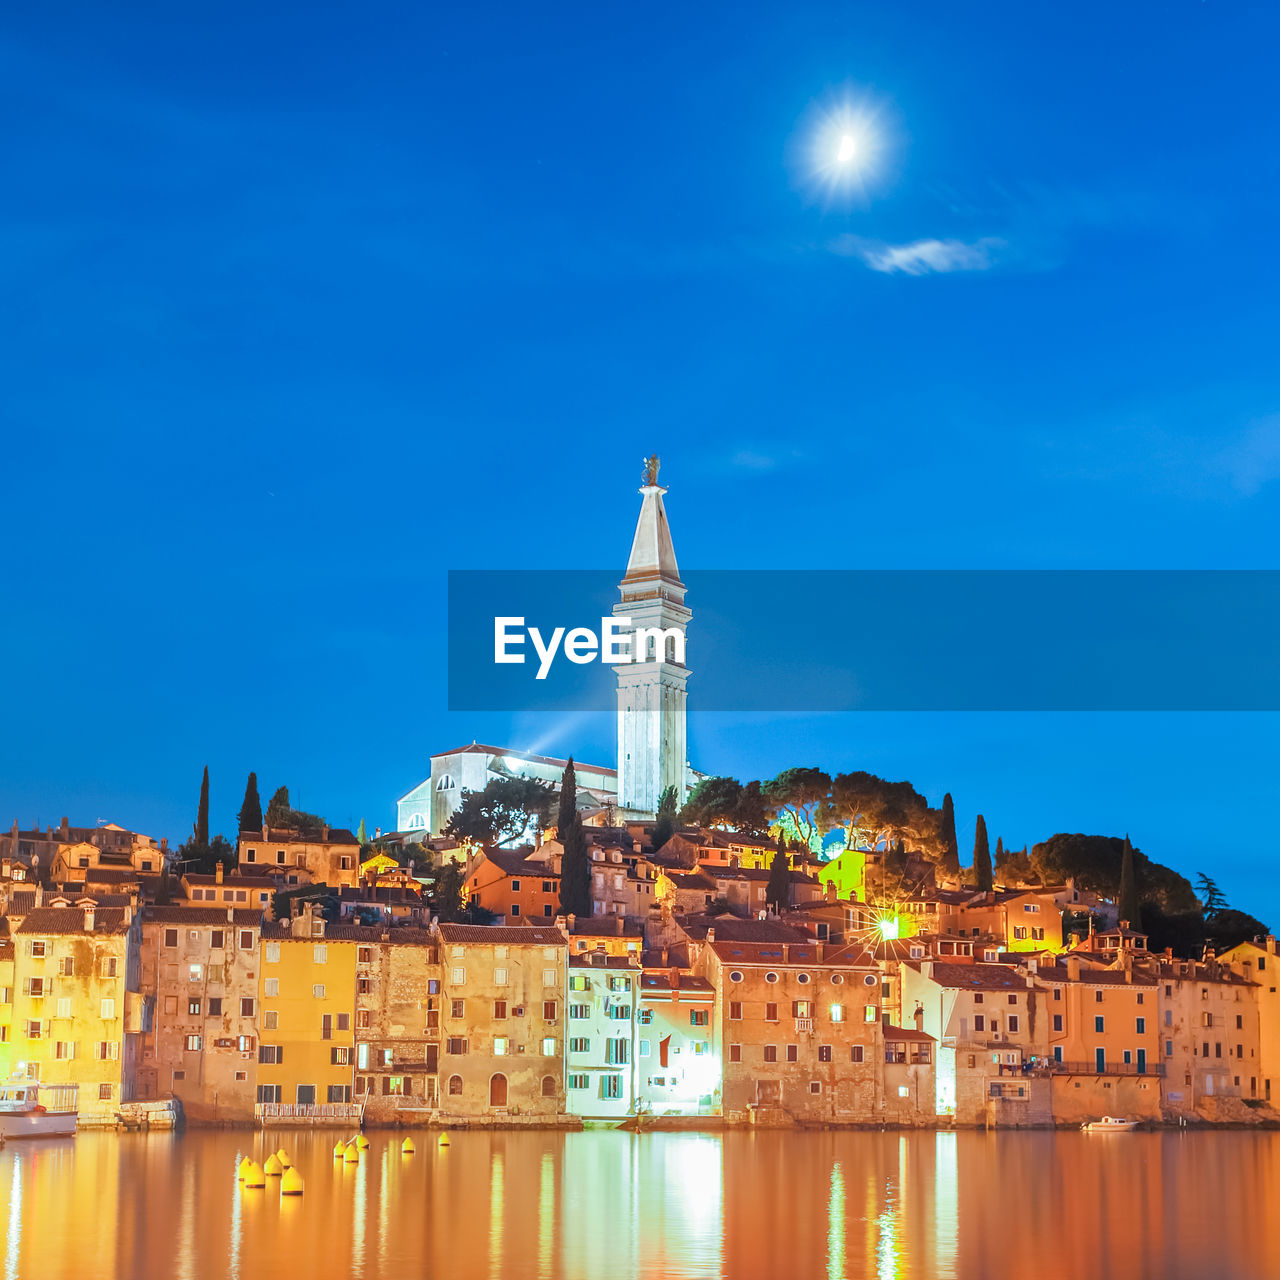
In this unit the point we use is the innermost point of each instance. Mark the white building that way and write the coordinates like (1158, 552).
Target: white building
(599, 1059)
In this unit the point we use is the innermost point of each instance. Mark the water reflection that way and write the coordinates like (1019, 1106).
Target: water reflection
(746, 1205)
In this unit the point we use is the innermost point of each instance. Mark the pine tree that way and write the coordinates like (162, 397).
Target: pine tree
(202, 814)
(251, 807)
(665, 826)
(279, 809)
(362, 835)
(575, 865)
(778, 893)
(950, 846)
(982, 856)
(1128, 899)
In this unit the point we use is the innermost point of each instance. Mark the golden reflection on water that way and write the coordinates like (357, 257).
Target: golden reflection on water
(538, 1206)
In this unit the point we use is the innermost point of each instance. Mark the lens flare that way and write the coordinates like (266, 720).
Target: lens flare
(838, 150)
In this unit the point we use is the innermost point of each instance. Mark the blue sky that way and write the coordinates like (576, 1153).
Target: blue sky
(306, 308)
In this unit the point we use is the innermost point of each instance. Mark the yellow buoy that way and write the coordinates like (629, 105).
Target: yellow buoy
(255, 1179)
(245, 1165)
(285, 1162)
(362, 1142)
(273, 1168)
(291, 1183)
(444, 1140)
(339, 1150)
(352, 1154)
(407, 1148)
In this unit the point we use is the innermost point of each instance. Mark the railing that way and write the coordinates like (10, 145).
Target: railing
(307, 1110)
(1052, 1066)
(804, 1024)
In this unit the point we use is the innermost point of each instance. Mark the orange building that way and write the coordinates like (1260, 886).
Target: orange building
(519, 889)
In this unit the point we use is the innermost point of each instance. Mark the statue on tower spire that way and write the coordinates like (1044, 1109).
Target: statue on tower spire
(651, 470)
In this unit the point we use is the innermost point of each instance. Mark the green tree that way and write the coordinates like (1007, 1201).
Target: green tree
(752, 814)
(279, 809)
(664, 828)
(799, 798)
(202, 813)
(949, 858)
(575, 864)
(981, 856)
(502, 812)
(1211, 897)
(713, 803)
(1094, 863)
(778, 892)
(1127, 901)
(251, 806)
(446, 902)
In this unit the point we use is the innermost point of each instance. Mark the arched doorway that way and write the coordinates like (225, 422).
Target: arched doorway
(498, 1090)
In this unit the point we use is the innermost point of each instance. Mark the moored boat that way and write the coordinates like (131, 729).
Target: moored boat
(29, 1109)
(1109, 1124)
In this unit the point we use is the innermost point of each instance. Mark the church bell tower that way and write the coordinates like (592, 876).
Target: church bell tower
(652, 688)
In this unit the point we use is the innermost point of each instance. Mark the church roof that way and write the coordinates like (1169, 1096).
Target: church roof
(479, 748)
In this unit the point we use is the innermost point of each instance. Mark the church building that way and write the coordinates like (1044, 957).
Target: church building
(652, 695)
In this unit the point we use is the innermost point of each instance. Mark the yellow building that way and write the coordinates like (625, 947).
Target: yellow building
(77, 1011)
(307, 999)
(6, 1009)
(332, 856)
(1258, 962)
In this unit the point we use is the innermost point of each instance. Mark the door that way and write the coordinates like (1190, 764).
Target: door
(1142, 1062)
(498, 1090)
(1100, 1059)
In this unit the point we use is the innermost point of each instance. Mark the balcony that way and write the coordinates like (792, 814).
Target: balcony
(1050, 1066)
(804, 1024)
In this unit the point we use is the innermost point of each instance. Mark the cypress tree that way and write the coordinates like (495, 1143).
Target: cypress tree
(575, 865)
(665, 826)
(202, 814)
(950, 845)
(778, 893)
(1128, 899)
(251, 807)
(982, 856)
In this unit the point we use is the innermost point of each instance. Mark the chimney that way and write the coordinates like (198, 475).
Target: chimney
(618, 922)
(817, 950)
(231, 915)
(217, 872)
(919, 1017)
(65, 829)
(324, 835)
(831, 891)
(711, 936)
(786, 952)
(88, 915)
(926, 968)
(1073, 968)
(665, 956)
(265, 836)
(1271, 943)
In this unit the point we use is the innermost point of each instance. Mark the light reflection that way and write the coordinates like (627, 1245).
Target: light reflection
(546, 1214)
(495, 1215)
(359, 1215)
(237, 1222)
(946, 1203)
(835, 1224)
(13, 1237)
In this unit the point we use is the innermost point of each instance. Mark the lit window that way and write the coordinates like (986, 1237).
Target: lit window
(499, 1046)
(549, 1047)
(837, 1013)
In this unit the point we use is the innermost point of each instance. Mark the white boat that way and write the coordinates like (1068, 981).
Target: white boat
(1109, 1124)
(29, 1109)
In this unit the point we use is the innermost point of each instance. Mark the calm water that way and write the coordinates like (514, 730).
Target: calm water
(605, 1204)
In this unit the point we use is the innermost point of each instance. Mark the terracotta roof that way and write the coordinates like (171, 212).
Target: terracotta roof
(242, 917)
(517, 863)
(278, 930)
(905, 1033)
(62, 920)
(604, 927)
(477, 748)
(977, 977)
(798, 956)
(286, 835)
(235, 880)
(502, 935)
(1091, 977)
(661, 981)
(733, 929)
(597, 960)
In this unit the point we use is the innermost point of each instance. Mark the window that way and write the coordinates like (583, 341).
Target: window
(611, 1086)
(855, 1053)
(457, 1008)
(455, 1086)
(616, 1052)
(771, 977)
(735, 1010)
(193, 1044)
(871, 1014)
(620, 1012)
(317, 990)
(67, 966)
(579, 1011)
(340, 1056)
(269, 1093)
(815, 1086)
(1097, 997)
(977, 997)
(217, 939)
(824, 1053)
(582, 1044)
(499, 977)
(108, 1008)
(793, 1052)
(644, 1049)
(499, 1046)
(1098, 1023)
(549, 978)
(215, 1006)
(549, 1046)
(771, 1053)
(771, 1012)
(271, 1054)
(247, 1006)
(339, 1093)
(195, 973)
(458, 976)
(193, 1008)
(578, 1081)
(1013, 1023)
(433, 986)
(1057, 1022)
(33, 1029)
(979, 1023)
(456, 1044)
(499, 1009)
(64, 1007)
(548, 1086)
(271, 953)
(104, 1093)
(170, 938)
(1141, 1026)
(306, 1095)
(548, 1011)
(699, 1017)
(246, 935)
(64, 1049)
(735, 1053)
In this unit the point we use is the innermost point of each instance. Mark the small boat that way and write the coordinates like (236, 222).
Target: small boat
(29, 1109)
(1109, 1124)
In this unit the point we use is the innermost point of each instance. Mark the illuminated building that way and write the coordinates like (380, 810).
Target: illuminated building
(330, 857)
(601, 1053)
(678, 1068)
(200, 968)
(1257, 962)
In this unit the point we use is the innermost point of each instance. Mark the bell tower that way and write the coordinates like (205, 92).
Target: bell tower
(652, 688)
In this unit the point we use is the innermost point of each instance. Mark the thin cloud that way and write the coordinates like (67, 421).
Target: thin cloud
(921, 257)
